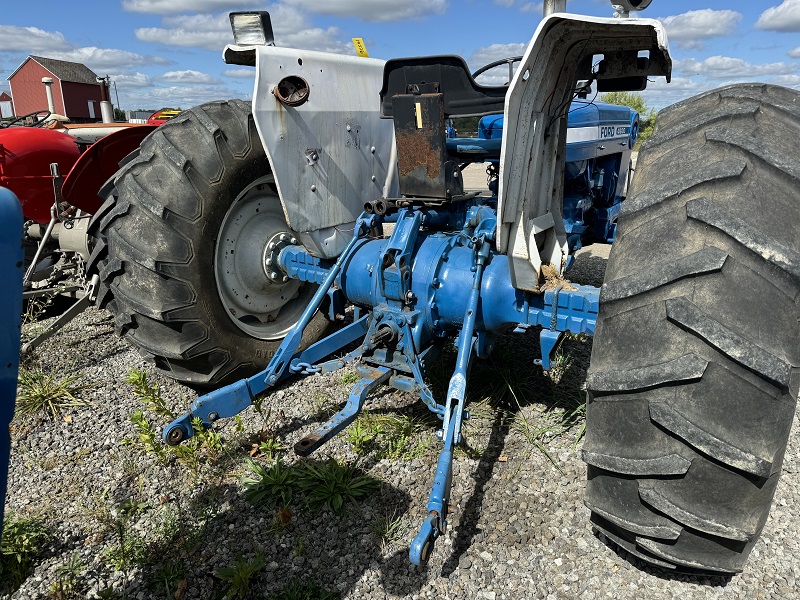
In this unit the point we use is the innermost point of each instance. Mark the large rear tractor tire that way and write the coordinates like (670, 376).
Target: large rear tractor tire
(183, 241)
(694, 373)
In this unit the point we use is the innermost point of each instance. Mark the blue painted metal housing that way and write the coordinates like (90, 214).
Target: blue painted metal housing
(600, 138)
(426, 283)
(11, 272)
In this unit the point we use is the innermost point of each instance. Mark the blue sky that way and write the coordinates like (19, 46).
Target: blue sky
(168, 52)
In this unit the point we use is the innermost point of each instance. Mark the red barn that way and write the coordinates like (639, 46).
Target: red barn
(76, 92)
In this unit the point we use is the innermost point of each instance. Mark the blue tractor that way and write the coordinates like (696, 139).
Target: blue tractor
(239, 233)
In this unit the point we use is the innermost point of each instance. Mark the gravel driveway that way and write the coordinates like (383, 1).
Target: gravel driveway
(520, 529)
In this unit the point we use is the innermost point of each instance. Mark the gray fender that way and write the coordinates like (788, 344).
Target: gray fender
(563, 50)
(330, 154)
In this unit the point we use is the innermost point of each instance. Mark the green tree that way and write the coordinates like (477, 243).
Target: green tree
(119, 115)
(647, 116)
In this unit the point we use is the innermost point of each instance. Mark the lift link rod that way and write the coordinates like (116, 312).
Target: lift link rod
(234, 398)
(438, 503)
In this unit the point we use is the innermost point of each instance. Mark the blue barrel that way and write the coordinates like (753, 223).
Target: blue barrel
(11, 271)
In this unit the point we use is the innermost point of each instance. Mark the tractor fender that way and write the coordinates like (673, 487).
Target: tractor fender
(98, 164)
(329, 151)
(563, 50)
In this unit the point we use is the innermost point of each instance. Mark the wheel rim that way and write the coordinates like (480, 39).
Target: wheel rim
(263, 307)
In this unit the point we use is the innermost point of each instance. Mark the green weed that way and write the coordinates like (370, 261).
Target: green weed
(273, 487)
(271, 447)
(40, 393)
(390, 529)
(149, 394)
(297, 590)
(21, 545)
(169, 577)
(66, 583)
(239, 575)
(333, 484)
(389, 436)
(349, 378)
(203, 446)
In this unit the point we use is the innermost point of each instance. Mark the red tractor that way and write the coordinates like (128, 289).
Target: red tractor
(56, 171)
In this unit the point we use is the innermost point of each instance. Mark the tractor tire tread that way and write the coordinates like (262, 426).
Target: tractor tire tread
(694, 375)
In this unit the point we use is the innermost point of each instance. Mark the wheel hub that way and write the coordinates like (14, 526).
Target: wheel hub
(256, 294)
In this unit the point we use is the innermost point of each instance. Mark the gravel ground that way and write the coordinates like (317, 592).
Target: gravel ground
(519, 528)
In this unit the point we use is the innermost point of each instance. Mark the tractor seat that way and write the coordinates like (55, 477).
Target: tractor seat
(446, 74)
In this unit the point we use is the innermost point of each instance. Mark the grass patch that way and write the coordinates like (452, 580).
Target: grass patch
(390, 436)
(390, 529)
(40, 393)
(66, 584)
(334, 484)
(240, 574)
(274, 487)
(298, 590)
(205, 446)
(331, 484)
(22, 543)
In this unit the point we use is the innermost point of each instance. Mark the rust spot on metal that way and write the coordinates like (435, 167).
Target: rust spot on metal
(307, 445)
(414, 151)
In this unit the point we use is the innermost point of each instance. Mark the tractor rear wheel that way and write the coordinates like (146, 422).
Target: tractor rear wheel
(182, 248)
(694, 373)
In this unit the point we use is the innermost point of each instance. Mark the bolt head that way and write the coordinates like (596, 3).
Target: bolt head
(283, 237)
(273, 275)
(293, 241)
(271, 246)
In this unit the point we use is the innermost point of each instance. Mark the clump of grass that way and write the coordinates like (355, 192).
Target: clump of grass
(240, 574)
(389, 436)
(330, 484)
(389, 529)
(23, 539)
(298, 590)
(203, 446)
(273, 487)
(334, 485)
(169, 577)
(40, 393)
(66, 583)
(349, 377)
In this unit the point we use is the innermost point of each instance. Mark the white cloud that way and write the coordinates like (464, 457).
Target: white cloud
(214, 32)
(33, 39)
(506, 3)
(52, 44)
(795, 52)
(726, 67)
(792, 80)
(691, 28)
(183, 96)
(532, 7)
(103, 59)
(193, 31)
(189, 76)
(659, 93)
(373, 10)
(131, 80)
(240, 73)
(785, 17)
(165, 7)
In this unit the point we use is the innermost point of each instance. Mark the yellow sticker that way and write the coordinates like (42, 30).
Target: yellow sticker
(361, 49)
